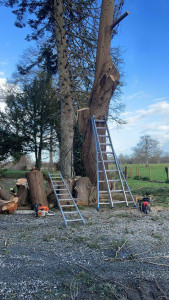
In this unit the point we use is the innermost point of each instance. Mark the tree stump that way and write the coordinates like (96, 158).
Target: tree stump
(82, 188)
(36, 187)
(22, 187)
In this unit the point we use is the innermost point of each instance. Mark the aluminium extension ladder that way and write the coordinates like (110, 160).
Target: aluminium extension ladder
(110, 178)
(67, 204)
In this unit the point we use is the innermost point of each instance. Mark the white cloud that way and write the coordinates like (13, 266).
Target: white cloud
(159, 99)
(152, 120)
(2, 73)
(140, 94)
(5, 88)
(3, 63)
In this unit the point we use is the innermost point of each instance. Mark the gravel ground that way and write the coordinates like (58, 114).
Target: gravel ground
(117, 254)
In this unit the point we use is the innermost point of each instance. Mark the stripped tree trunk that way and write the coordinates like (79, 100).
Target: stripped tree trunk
(105, 83)
(67, 112)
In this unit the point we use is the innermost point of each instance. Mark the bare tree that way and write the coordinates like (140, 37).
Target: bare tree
(146, 149)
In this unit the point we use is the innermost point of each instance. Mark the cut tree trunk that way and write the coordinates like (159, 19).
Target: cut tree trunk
(105, 83)
(36, 187)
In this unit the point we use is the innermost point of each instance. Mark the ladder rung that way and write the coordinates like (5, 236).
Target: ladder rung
(63, 194)
(68, 205)
(113, 191)
(116, 201)
(61, 190)
(101, 128)
(107, 152)
(102, 192)
(109, 161)
(105, 144)
(71, 212)
(110, 180)
(60, 200)
(104, 203)
(74, 220)
(116, 191)
(102, 135)
(114, 180)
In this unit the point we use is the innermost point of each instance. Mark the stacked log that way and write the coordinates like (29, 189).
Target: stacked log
(8, 203)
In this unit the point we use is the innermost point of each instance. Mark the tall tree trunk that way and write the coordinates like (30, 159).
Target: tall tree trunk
(51, 146)
(67, 112)
(105, 83)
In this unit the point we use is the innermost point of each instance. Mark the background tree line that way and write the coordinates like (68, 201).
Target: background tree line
(146, 151)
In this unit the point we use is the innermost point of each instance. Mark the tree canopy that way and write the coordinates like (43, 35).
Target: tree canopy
(30, 117)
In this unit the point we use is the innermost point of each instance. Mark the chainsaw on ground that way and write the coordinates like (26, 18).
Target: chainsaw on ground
(144, 205)
(43, 210)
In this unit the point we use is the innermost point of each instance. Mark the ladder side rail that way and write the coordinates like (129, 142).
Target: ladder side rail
(57, 199)
(72, 198)
(97, 161)
(104, 170)
(126, 182)
(117, 165)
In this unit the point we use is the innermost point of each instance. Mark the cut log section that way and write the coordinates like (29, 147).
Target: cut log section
(22, 187)
(36, 188)
(9, 206)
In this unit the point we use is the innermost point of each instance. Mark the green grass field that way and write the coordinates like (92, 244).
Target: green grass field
(153, 172)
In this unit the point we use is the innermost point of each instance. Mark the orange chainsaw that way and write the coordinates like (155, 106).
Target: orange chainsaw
(41, 210)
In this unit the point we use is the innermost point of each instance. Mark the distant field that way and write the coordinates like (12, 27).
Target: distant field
(153, 172)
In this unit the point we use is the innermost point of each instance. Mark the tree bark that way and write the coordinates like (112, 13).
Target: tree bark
(67, 112)
(5, 195)
(83, 188)
(51, 147)
(105, 83)
(36, 187)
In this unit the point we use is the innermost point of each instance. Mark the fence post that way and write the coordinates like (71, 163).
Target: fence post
(125, 172)
(149, 173)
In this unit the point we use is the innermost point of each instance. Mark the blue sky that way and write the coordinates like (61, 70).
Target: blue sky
(144, 37)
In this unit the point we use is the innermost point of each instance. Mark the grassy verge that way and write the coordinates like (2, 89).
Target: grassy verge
(13, 174)
(159, 192)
